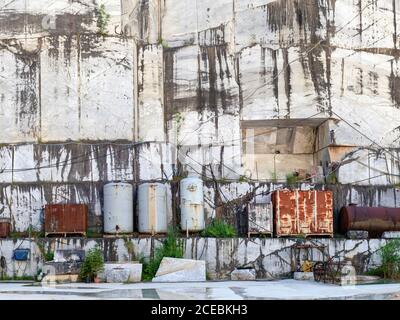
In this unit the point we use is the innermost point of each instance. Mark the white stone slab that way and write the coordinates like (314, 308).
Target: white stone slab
(243, 275)
(122, 272)
(303, 276)
(180, 270)
(391, 235)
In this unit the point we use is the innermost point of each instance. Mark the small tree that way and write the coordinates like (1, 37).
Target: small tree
(102, 20)
(93, 264)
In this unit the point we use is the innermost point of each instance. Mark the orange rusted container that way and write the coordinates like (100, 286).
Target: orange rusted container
(5, 228)
(303, 212)
(65, 219)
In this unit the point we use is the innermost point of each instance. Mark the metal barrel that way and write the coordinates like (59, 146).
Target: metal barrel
(375, 220)
(152, 208)
(192, 204)
(118, 208)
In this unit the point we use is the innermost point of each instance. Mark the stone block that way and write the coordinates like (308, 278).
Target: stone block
(61, 278)
(180, 270)
(122, 272)
(391, 235)
(357, 234)
(303, 276)
(243, 275)
(59, 268)
(69, 255)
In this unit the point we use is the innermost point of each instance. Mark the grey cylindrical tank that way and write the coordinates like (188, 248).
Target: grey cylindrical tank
(192, 204)
(118, 208)
(152, 208)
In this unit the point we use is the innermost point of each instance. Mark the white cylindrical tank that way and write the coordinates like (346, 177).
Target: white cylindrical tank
(152, 208)
(118, 208)
(192, 204)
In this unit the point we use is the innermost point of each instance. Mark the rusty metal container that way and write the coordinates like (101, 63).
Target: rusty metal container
(375, 220)
(303, 213)
(65, 219)
(5, 228)
(260, 217)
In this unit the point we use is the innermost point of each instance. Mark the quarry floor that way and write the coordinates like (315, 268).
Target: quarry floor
(210, 290)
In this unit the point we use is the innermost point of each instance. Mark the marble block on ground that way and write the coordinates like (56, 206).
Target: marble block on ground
(243, 275)
(122, 272)
(391, 235)
(303, 276)
(59, 268)
(180, 270)
(357, 234)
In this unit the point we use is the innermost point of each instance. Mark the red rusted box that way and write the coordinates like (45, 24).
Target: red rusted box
(5, 228)
(65, 219)
(303, 212)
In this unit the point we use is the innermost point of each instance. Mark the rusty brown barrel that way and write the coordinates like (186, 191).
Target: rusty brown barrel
(375, 220)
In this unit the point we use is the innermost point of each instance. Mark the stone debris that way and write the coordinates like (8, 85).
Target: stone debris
(69, 255)
(180, 270)
(303, 276)
(357, 234)
(391, 235)
(243, 275)
(122, 272)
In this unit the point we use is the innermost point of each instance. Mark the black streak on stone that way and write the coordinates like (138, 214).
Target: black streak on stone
(394, 87)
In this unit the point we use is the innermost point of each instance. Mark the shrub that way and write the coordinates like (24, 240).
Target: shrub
(172, 247)
(219, 229)
(390, 255)
(49, 256)
(291, 178)
(92, 265)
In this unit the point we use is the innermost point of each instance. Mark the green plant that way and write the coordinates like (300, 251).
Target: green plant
(219, 229)
(375, 272)
(102, 20)
(49, 256)
(331, 178)
(163, 43)
(390, 255)
(243, 179)
(171, 247)
(33, 233)
(130, 248)
(93, 234)
(291, 178)
(92, 265)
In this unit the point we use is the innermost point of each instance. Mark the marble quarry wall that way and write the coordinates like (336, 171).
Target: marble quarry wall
(239, 91)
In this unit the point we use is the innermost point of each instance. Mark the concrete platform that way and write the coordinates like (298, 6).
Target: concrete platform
(233, 290)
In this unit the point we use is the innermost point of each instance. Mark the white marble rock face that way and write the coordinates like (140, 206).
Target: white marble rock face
(180, 270)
